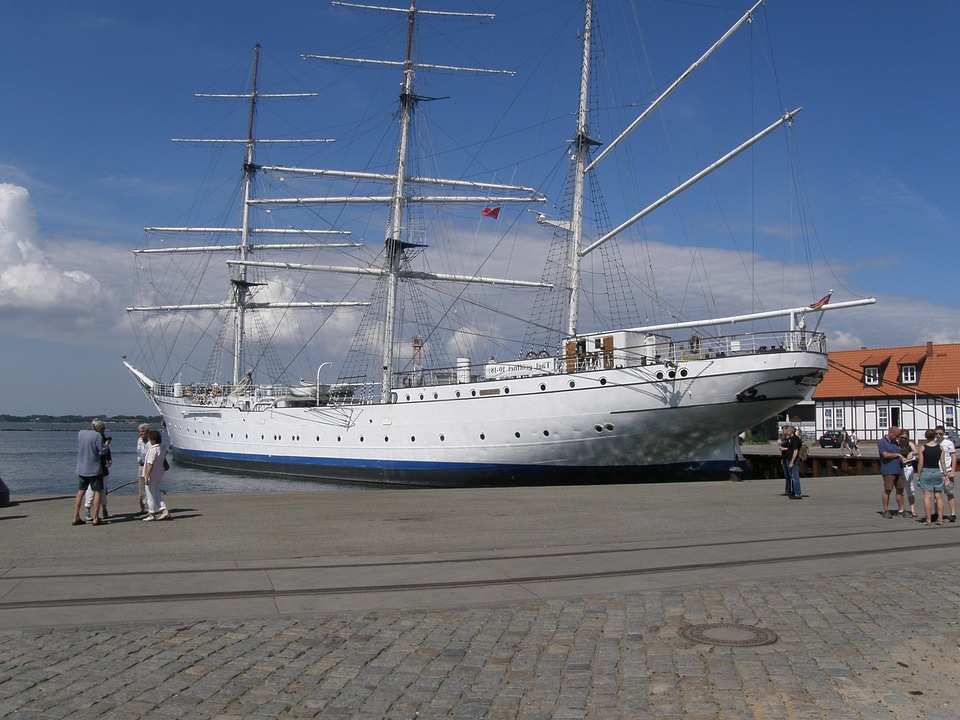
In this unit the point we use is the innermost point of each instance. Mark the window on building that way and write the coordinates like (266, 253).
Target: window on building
(871, 376)
(838, 419)
(828, 418)
(883, 418)
(908, 374)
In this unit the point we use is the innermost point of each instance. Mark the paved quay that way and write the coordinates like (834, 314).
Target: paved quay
(692, 600)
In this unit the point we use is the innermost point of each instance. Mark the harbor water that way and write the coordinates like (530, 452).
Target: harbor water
(41, 458)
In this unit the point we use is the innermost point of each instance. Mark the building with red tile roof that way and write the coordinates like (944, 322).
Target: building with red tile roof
(915, 387)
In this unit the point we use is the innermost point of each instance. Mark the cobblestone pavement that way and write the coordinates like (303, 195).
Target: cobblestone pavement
(859, 645)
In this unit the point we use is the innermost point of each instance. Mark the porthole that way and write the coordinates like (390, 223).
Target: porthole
(338, 438)
(483, 436)
(572, 384)
(421, 396)
(473, 392)
(506, 391)
(413, 438)
(609, 426)
(442, 438)
(598, 428)
(458, 393)
(546, 433)
(683, 373)
(318, 438)
(361, 438)
(672, 374)
(435, 396)
(516, 435)
(659, 376)
(261, 437)
(386, 438)
(543, 386)
(408, 398)
(603, 381)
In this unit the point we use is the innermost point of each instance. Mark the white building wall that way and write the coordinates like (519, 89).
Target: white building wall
(872, 418)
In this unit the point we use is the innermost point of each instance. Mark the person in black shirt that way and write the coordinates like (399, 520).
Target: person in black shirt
(790, 460)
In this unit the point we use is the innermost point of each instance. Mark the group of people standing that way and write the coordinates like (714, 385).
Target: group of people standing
(931, 467)
(94, 459)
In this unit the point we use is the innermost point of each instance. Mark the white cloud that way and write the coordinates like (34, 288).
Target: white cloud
(892, 198)
(946, 334)
(839, 340)
(59, 288)
(47, 288)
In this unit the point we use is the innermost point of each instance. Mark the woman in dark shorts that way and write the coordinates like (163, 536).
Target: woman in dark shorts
(932, 469)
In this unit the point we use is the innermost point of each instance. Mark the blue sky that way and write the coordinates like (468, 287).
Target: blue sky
(91, 94)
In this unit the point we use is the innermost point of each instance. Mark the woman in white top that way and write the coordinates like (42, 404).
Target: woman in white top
(154, 467)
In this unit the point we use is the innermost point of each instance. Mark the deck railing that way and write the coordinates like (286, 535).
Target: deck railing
(661, 351)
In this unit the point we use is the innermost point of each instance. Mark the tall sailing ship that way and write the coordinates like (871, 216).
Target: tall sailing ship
(628, 403)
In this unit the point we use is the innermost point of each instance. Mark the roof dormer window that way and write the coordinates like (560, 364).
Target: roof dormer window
(871, 375)
(908, 374)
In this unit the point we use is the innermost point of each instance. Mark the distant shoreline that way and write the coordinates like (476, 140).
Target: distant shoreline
(80, 419)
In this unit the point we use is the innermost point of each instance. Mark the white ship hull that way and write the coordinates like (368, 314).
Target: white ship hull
(617, 424)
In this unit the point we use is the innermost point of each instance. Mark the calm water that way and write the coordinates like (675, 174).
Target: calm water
(42, 458)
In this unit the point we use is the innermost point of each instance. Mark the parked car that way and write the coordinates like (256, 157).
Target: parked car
(831, 438)
(952, 434)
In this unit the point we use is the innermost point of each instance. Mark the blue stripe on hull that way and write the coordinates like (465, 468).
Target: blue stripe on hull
(417, 474)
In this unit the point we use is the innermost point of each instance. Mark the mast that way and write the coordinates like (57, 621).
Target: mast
(581, 149)
(392, 271)
(241, 286)
(393, 243)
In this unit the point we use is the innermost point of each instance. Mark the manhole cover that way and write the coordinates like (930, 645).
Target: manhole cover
(729, 634)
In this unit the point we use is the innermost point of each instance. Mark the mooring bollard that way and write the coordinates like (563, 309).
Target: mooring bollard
(736, 474)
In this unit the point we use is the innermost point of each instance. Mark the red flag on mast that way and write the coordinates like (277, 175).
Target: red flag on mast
(493, 212)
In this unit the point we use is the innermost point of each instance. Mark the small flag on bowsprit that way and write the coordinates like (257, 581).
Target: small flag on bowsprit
(822, 301)
(493, 212)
